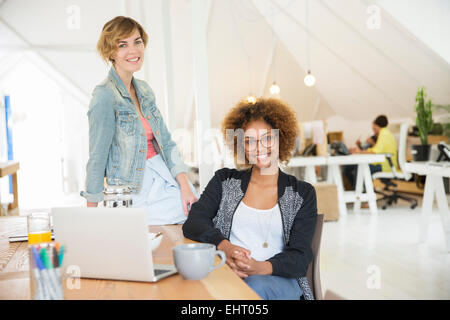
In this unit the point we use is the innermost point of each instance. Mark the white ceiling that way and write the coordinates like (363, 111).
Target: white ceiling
(360, 72)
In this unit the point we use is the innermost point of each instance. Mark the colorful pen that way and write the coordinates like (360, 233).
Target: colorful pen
(61, 255)
(56, 268)
(49, 294)
(40, 293)
(48, 275)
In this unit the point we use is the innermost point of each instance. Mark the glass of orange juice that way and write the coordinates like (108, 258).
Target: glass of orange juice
(39, 229)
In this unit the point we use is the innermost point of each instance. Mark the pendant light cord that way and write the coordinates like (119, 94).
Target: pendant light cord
(274, 46)
(241, 41)
(308, 60)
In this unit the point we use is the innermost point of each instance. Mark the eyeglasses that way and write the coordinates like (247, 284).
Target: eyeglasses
(267, 141)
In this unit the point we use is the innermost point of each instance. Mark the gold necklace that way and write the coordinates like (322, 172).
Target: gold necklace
(265, 243)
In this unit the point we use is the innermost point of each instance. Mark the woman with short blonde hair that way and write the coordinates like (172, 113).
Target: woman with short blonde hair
(114, 30)
(129, 143)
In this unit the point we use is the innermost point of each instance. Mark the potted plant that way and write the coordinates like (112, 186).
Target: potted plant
(424, 123)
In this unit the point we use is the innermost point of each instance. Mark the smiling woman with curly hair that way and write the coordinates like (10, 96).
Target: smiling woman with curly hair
(262, 218)
(277, 114)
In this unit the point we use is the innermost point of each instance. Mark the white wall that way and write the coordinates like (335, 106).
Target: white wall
(49, 128)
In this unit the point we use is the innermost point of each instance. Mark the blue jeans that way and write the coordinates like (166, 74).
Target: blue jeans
(274, 287)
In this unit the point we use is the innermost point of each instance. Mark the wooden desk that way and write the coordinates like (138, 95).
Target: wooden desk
(434, 186)
(222, 284)
(6, 169)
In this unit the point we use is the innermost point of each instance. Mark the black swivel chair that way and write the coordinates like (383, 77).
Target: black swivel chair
(392, 197)
(387, 178)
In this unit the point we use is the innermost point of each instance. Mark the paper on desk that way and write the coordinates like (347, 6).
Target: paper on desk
(314, 130)
(308, 130)
(318, 132)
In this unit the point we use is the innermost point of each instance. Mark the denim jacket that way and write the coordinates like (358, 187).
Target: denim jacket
(117, 139)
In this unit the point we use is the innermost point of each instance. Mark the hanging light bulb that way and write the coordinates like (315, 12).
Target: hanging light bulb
(310, 80)
(251, 99)
(274, 89)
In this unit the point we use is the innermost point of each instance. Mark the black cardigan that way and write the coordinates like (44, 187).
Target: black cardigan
(211, 217)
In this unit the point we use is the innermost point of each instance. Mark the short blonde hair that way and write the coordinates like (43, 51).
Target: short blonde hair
(114, 30)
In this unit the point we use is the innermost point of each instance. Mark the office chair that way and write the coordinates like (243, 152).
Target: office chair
(387, 177)
(313, 273)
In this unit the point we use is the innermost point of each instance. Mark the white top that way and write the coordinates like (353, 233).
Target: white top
(253, 227)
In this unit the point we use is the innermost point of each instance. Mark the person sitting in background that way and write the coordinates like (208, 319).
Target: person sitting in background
(262, 218)
(385, 143)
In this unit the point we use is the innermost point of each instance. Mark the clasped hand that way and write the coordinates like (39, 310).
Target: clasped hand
(240, 261)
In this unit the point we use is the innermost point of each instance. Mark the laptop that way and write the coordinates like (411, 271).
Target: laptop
(339, 148)
(22, 236)
(108, 243)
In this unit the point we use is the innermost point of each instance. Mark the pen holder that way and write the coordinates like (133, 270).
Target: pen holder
(45, 273)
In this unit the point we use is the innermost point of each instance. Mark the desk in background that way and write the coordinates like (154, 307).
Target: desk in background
(364, 178)
(6, 169)
(221, 284)
(434, 186)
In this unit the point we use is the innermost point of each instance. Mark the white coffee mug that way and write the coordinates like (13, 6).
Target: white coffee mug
(196, 260)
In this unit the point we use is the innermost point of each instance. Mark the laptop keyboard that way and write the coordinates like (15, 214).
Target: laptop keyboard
(160, 271)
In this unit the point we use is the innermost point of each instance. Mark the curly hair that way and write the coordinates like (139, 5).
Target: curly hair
(113, 31)
(278, 114)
